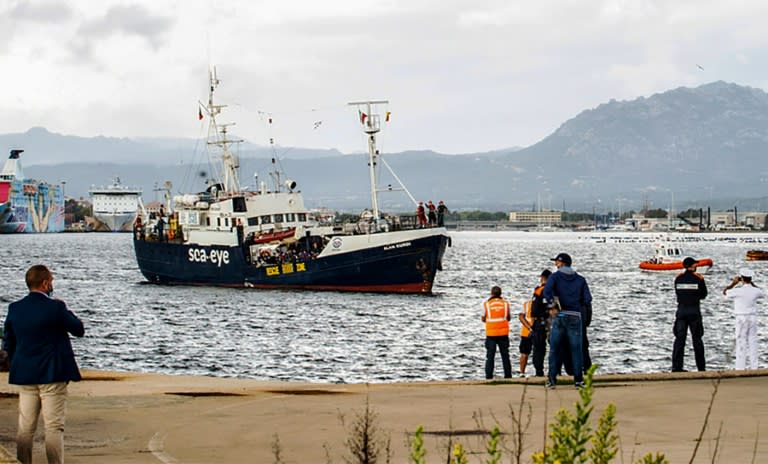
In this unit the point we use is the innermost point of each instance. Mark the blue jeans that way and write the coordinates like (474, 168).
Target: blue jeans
(566, 329)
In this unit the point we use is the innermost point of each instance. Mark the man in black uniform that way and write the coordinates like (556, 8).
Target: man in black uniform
(690, 290)
(540, 314)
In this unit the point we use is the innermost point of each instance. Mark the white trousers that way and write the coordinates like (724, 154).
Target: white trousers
(51, 399)
(746, 341)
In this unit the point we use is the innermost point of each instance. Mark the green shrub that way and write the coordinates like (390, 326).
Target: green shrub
(572, 433)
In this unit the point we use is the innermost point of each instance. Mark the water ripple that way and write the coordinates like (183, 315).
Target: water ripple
(346, 338)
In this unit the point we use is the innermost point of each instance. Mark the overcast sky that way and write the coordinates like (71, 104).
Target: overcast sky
(461, 76)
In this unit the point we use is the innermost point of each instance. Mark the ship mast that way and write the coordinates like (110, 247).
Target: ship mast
(371, 126)
(217, 135)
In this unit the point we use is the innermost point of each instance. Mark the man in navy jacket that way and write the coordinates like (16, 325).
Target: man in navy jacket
(575, 301)
(42, 362)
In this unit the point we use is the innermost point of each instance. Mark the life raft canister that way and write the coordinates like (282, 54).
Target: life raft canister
(171, 228)
(496, 315)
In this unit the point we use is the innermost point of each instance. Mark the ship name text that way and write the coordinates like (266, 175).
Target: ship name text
(397, 245)
(217, 257)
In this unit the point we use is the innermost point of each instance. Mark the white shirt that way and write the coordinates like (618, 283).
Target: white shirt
(745, 299)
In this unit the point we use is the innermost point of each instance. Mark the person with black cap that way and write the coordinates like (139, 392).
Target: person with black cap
(745, 298)
(533, 335)
(690, 289)
(441, 211)
(575, 313)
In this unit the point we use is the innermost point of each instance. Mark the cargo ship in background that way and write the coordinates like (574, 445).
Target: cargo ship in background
(226, 235)
(115, 206)
(28, 205)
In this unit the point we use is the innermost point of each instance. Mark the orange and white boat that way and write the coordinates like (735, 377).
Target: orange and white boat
(669, 257)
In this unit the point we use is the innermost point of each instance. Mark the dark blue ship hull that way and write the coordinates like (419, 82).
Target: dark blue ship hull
(389, 268)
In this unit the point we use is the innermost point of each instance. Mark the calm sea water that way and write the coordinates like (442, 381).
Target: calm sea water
(340, 337)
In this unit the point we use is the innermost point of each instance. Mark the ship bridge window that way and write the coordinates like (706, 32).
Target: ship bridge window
(208, 221)
(290, 217)
(238, 205)
(226, 222)
(302, 217)
(278, 218)
(218, 222)
(266, 219)
(253, 221)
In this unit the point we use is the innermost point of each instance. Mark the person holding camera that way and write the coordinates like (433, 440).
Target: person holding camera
(745, 294)
(575, 313)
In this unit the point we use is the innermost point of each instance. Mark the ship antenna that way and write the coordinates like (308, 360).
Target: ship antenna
(218, 135)
(371, 126)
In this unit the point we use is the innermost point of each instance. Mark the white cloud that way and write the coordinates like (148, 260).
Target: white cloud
(42, 12)
(461, 76)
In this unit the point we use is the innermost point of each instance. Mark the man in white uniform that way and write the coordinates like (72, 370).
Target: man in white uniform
(745, 298)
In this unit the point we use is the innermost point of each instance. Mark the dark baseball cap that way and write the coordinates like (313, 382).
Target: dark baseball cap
(688, 262)
(565, 258)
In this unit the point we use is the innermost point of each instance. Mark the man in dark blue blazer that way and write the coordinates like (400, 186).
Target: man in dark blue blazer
(42, 362)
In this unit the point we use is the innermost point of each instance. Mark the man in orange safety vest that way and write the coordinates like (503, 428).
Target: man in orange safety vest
(496, 316)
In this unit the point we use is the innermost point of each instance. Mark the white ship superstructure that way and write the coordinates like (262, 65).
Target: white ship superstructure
(115, 206)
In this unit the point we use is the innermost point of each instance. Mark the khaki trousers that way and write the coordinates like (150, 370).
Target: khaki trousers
(51, 398)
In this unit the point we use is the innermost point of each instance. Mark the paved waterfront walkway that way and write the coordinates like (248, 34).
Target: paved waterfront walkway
(149, 418)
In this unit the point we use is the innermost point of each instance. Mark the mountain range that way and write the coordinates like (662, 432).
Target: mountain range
(686, 147)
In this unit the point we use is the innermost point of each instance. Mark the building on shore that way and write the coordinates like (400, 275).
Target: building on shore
(536, 217)
(734, 219)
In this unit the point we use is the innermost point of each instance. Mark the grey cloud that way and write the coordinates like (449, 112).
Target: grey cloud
(44, 12)
(129, 20)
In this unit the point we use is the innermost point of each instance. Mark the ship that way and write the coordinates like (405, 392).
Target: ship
(266, 238)
(115, 206)
(28, 205)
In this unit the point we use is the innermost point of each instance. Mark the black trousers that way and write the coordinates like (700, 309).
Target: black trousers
(539, 348)
(685, 321)
(502, 342)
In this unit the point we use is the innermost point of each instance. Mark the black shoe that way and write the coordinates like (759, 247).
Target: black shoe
(550, 384)
(579, 385)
